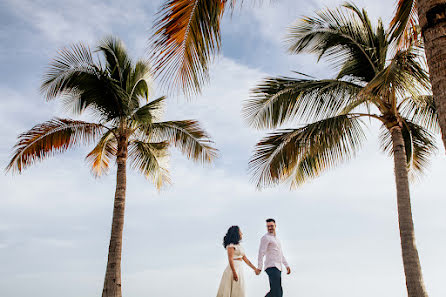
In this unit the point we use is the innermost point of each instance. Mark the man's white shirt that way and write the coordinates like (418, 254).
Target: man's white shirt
(271, 248)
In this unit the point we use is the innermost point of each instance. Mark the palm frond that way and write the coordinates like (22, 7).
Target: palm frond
(151, 160)
(188, 136)
(118, 62)
(278, 100)
(419, 145)
(149, 113)
(404, 75)
(359, 101)
(343, 37)
(404, 28)
(76, 59)
(303, 153)
(310, 166)
(49, 138)
(138, 84)
(187, 36)
(363, 16)
(424, 146)
(422, 111)
(103, 153)
(74, 75)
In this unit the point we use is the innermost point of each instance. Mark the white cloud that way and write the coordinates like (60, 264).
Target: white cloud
(67, 22)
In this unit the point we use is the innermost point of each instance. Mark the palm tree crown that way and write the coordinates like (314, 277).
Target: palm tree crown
(117, 92)
(371, 82)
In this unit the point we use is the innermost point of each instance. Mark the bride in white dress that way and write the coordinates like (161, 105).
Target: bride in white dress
(232, 282)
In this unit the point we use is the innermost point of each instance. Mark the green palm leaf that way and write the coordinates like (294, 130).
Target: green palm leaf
(149, 113)
(278, 100)
(419, 145)
(309, 167)
(138, 84)
(421, 110)
(151, 160)
(75, 76)
(188, 136)
(344, 37)
(404, 74)
(118, 63)
(70, 62)
(299, 154)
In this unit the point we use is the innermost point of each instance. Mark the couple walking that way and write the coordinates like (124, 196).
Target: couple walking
(232, 282)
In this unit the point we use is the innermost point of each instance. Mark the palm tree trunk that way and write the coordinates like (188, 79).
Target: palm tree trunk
(411, 261)
(112, 282)
(432, 18)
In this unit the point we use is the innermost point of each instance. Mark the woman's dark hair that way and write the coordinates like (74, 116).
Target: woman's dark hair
(232, 236)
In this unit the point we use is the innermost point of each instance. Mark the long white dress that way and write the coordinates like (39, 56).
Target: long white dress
(228, 286)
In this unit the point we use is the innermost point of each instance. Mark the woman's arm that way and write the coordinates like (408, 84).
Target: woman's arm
(249, 263)
(231, 262)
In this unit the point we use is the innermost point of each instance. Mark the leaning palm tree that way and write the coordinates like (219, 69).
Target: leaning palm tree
(128, 127)
(372, 82)
(428, 19)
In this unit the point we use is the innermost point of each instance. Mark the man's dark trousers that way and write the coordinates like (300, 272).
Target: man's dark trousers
(275, 282)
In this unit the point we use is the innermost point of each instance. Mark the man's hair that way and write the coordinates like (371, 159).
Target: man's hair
(270, 220)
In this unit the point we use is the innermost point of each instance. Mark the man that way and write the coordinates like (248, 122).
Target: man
(271, 248)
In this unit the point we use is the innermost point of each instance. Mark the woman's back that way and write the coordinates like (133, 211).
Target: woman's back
(239, 252)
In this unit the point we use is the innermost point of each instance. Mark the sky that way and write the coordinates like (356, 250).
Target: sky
(339, 232)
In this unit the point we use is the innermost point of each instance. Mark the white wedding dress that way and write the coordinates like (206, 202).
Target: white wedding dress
(228, 286)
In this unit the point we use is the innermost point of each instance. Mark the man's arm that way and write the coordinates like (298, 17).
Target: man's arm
(284, 261)
(262, 251)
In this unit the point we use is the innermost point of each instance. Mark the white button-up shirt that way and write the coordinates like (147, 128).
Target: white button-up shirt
(271, 248)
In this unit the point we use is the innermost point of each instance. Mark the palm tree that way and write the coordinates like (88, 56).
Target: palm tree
(372, 82)
(128, 128)
(432, 27)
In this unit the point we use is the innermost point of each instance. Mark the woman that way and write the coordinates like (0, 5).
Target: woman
(232, 282)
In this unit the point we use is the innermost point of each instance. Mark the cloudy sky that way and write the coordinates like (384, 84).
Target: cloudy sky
(339, 232)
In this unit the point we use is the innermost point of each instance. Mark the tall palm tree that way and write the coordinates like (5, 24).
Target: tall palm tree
(128, 127)
(372, 82)
(432, 27)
